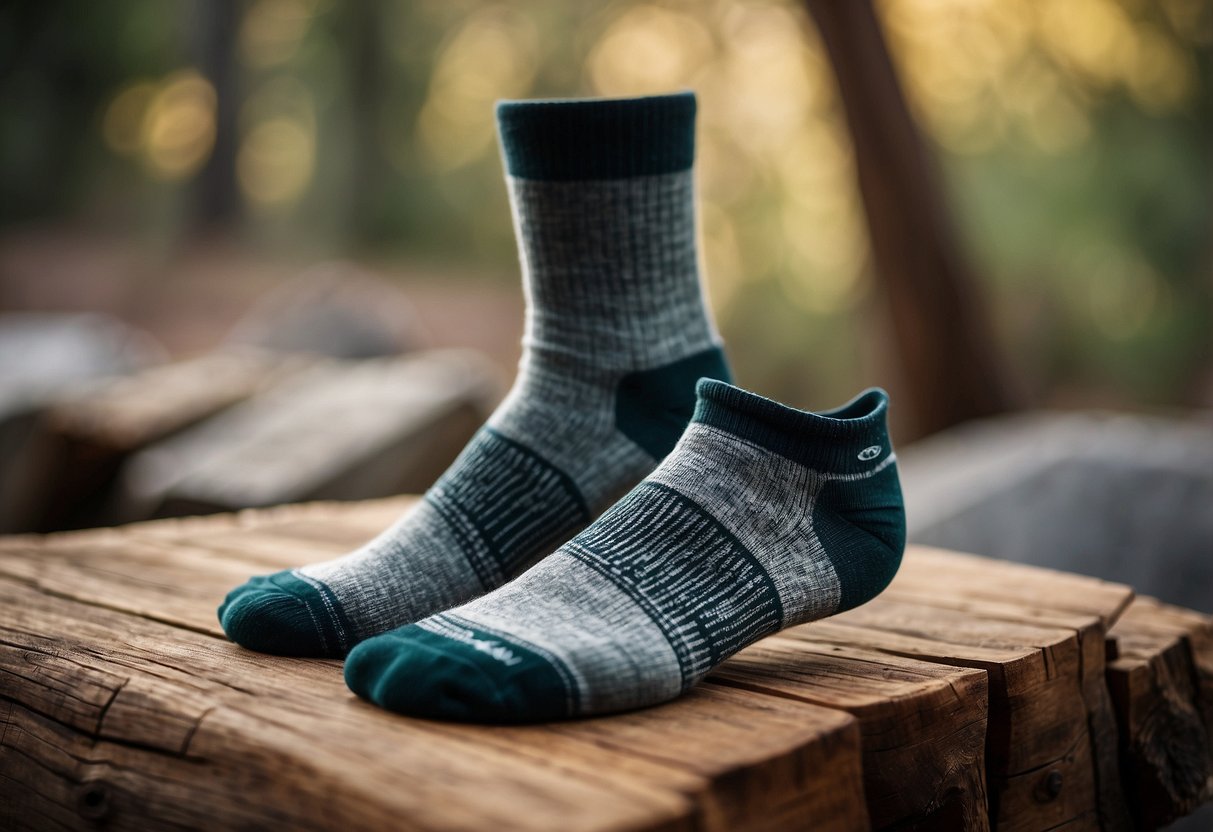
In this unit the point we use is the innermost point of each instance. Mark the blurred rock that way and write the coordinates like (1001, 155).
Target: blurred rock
(41, 353)
(40, 356)
(338, 430)
(1127, 498)
(334, 309)
(88, 430)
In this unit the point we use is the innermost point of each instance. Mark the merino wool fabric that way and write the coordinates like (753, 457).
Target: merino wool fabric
(617, 334)
(762, 517)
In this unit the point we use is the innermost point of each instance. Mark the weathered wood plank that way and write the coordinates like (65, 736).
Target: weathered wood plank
(950, 627)
(969, 577)
(717, 759)
(86, 432)
(923, 724)
(177, 570)
(1013, 592)
(337, 430)
(1162, 685)
(1039, 753)
(1090, 631)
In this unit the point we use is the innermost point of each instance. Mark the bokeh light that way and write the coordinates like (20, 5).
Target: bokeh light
(1072, 135)
(273, 30)
(491, 56)
(168, 125)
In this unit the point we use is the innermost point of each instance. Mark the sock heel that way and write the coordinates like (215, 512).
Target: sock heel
(862, 525)
(653, 407)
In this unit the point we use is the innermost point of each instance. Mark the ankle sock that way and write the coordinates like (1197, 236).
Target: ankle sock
(617, 334)
(761, 518)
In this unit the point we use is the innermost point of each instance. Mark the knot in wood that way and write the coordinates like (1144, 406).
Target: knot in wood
(1049, 787)
(93, 800)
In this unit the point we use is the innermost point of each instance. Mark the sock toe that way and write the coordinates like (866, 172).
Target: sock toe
(419, 673)
(283, 615)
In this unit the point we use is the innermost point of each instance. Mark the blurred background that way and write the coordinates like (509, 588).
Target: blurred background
(148, 147)
(211, 210)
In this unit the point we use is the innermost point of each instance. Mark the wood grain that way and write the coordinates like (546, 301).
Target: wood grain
(115, 709)
(972, 694)
(1162, 684)
(923, 724)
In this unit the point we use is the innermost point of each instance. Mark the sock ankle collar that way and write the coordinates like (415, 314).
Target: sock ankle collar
(612, 138)
(851, 439)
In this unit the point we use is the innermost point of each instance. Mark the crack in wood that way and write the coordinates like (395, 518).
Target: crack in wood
(93, 736)
(106, 707)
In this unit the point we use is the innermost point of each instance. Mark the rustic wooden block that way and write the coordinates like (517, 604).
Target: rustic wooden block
(338, 430)
(923, 724)
(1007, 591)
(87, 431)
(124, 414)
(968, 679)
(1050, 745)
(1161, 678)
(173, 727)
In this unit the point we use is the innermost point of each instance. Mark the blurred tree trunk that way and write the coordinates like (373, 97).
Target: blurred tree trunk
(216, 198)
(940, 328)
(366, 95)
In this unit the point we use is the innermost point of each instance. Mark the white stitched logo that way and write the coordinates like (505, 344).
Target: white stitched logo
(870, 452)
(496, 650)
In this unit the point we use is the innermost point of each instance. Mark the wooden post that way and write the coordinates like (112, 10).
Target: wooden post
(942, 333)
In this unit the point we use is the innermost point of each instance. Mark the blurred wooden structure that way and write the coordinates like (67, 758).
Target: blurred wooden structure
(972, 694)
(242, 427)
(941, 332)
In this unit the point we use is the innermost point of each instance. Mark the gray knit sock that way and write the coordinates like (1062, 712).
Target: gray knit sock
(762, 517)
(616, 336)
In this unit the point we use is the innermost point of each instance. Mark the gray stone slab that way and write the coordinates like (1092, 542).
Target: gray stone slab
(1126, 498)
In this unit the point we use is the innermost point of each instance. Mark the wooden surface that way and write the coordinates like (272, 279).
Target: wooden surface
(1161, 680)
(972, 694)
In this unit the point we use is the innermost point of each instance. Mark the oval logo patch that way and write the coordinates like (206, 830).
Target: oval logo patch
(870, 452)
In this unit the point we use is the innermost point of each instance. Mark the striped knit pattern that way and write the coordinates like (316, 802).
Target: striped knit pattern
(761, 518)
(617, 333)
(660, 547)
(505, 504)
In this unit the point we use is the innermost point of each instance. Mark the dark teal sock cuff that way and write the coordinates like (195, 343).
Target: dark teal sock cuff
(848, 439)
(607, 138)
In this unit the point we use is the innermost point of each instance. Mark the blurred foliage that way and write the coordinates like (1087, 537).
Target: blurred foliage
(1076, 137)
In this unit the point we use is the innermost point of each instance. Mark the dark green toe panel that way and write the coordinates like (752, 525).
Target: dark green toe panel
(287, 616)
(468, 676)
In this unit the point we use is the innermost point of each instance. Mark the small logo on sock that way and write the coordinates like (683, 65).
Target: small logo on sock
(870, 452)
(494, 649)
(497, 651)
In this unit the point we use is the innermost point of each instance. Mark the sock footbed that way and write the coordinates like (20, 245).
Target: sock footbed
(616, 335)
(761, 518)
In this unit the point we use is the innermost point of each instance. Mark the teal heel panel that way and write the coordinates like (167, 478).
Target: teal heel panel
(862, 525)
(653, 407)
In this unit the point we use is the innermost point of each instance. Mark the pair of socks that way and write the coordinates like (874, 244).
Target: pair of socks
(725, 517)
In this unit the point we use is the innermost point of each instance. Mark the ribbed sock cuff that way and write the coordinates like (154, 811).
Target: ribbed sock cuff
(610, 138)
(850, 439)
